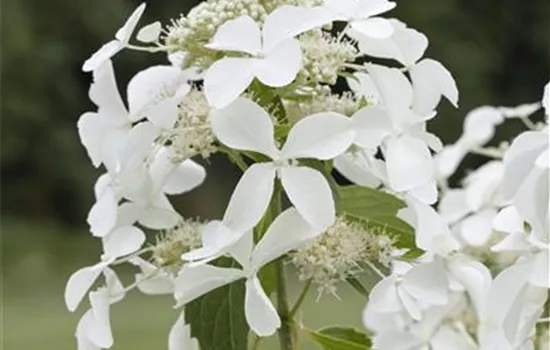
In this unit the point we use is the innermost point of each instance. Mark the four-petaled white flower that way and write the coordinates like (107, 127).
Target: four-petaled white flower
(400, 132)
(271, 54)
(122, 37)
(244, 125)
(287, 232)
(360, 14)
(430, 79)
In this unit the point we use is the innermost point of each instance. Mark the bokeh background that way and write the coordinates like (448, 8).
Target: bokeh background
(497, 50)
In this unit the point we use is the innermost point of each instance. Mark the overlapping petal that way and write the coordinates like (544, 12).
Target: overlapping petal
(260, 313)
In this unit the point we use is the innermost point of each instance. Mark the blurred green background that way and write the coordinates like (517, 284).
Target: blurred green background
(497, 50)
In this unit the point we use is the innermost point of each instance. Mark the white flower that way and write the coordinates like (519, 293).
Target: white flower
(430, 79)
(153, 93)
(122, 37)
(420, 286)
(286, 232)
(360, 14)
(400, 133)
(478, 128)
(180, 336)
(94, 328)
(244, 125)
(431, 231)
(534, 251)
(272, 55)
(510, 311)
(121, 242)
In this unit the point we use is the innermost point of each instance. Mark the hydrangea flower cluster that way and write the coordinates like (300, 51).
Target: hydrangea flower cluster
(253, 80)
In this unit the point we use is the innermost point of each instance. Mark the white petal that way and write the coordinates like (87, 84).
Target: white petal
(507, 289)
(384, 297)
(86, 322)
(174, 178)
(496, 340)
(310, 193)
(99, 331)
(357, 169)
(430, 81)
(102, 217)
(452, 206)
(240, 34)
(396, 341)
(432, 233)
(150, 33)
(180, 336)
(287, 232)
(541, 270)
(448, 160)
(217, 240)
(124, 34)
(152, 85)
(480, 123)
(159, 218)
(281, 65)
(519, 159)
(378, 28)
(426, 194)
(250, 198)
(91, 129)
(394, 88)
(373, 7)
(259, 311)
(241, 250)
(227, 78)
(152, 280)
(245, 125)
(372, 124)
(409, 163)
(138, 145)
(102, 55)
(114, 286)
(508, 220)
(477, 229)
(288, 21)
(79, 283)
(428, 283)
(104, 93)
(193, 282)
(321, 136)
(406, 45)
(474, 277)
(187, 176)
(514, 242)
(363, 85)
(409, 304)
(123, 241)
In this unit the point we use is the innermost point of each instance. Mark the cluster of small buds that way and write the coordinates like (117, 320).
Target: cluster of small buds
(339, 253)
(190, 33)
(170, 245)
(325, 56)
(271, 5)
(192, 134)
(346, 104)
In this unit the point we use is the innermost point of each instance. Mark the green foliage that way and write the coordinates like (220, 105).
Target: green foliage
(378, 210)
(340, 338)
(217, 318)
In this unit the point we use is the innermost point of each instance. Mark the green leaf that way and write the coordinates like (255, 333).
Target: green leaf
(378, 209)
(217, 318)
(340, 338)
(356, 284)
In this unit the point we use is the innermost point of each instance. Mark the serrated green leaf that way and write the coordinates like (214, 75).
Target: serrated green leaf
(378, 209)
(340, 338)
(217, 318)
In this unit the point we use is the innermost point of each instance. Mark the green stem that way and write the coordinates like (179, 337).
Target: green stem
(300, 299)
(285, 331)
